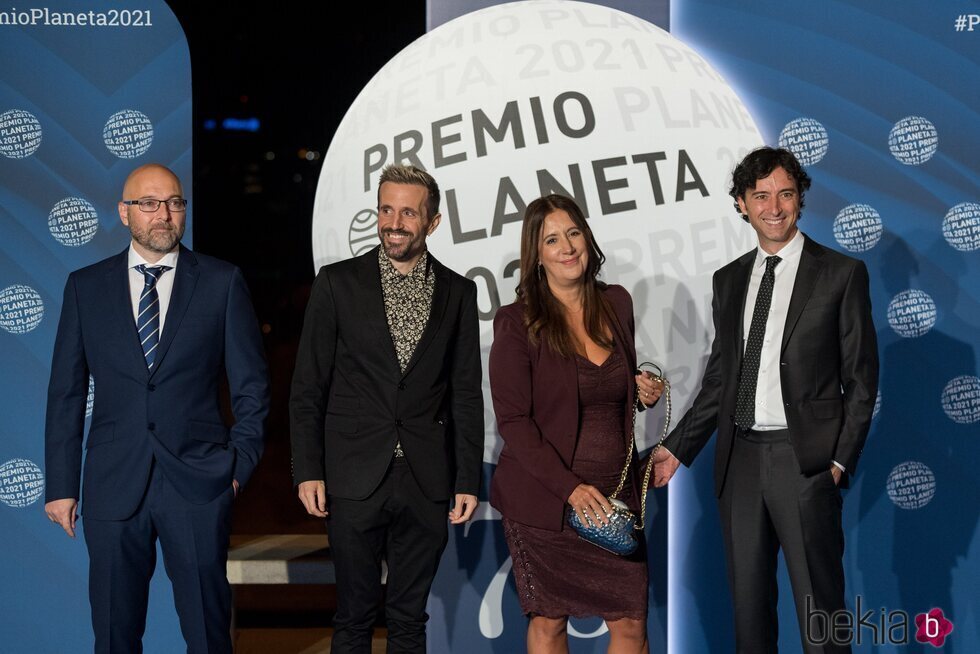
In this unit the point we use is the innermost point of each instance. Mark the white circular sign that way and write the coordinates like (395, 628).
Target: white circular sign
(911, 313)
(20, 134)
(913, 140)
(961, 226)
(806, 138)
(73, 222)
(21, 309)
(961, 399)
(21, 483)
(857, 228)
(516, 101)
(128, 133)
(911, 485)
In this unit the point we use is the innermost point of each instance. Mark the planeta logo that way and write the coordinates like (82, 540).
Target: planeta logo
(363, 232)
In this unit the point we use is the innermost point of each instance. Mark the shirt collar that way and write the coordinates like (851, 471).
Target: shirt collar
(169, 259)
(789, 253)
(418, 273)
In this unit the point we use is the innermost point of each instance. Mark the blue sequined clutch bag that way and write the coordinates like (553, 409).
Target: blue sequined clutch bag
(619, 534)
(617, 537)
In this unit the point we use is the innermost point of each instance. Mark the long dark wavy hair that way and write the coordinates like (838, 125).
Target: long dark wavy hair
(544, 315)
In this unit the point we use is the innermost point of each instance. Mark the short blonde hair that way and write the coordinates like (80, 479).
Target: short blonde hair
(402, 174)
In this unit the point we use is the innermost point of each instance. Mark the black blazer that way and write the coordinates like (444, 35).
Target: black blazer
(828, 364)
(351, 403)
(536, 401)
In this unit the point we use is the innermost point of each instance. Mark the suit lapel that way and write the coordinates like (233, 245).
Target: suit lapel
(740, 289)
(440, 300)
(121, 309)
(373, 305)
(811, 265)
(185, 281)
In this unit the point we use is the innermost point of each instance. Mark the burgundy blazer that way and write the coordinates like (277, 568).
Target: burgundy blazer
(535, 399)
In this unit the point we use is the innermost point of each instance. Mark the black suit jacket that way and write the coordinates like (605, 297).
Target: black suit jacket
(828, 364)
(351, 403)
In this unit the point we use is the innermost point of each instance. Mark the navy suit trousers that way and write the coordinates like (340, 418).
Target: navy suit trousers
(122, 557)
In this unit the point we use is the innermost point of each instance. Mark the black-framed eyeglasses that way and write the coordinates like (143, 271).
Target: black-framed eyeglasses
(150, 205)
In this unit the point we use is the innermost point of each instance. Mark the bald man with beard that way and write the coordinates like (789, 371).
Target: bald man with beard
(158, 327)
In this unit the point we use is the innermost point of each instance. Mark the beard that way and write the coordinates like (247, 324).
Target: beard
(403, 251)
(157, 239)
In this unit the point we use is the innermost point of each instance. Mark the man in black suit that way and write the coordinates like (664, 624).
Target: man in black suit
(387, 414)
(790, 386)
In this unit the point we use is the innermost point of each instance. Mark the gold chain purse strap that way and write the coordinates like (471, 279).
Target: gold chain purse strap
(632, 445)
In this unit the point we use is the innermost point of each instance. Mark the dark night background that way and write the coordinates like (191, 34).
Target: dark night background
(297, 67)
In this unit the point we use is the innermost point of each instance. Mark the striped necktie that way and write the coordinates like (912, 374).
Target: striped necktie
(148, 316)
(749, 377)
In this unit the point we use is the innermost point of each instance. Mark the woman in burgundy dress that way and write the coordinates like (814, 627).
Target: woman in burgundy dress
(562, 379)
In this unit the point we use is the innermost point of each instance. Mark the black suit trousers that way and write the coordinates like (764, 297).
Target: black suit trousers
(767, 504)
(399, 524)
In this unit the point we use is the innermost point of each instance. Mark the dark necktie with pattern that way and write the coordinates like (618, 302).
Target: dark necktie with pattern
(148, 313)
(748, 378)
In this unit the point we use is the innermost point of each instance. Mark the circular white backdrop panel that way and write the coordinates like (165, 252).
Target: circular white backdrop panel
(514, 101)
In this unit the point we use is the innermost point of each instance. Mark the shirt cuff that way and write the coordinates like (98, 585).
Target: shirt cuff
(842, 468)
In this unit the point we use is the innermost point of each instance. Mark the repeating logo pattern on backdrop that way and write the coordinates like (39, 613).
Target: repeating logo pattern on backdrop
(806, 138)
(21, 483)
(913, 140)
(73, 222)
(20, 134)
(911, 313)
(911, 485)
(21, 309)
(128, 134)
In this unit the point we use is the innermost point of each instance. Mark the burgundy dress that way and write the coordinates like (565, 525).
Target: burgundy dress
(557, 573)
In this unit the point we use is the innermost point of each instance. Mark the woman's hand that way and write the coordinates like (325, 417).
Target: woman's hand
(651, 388)
(591, 505)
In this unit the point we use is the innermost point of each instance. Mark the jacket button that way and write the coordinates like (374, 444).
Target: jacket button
(151, 426)
(786, 404)
(401, 386)
(151, 387)
(398, 423)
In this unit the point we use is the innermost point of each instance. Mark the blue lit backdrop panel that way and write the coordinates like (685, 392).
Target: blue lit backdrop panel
(87, 93)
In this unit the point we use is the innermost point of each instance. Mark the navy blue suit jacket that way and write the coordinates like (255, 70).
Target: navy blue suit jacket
(173, 414)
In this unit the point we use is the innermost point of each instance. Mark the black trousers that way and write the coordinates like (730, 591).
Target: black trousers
(767, 504)
(122, 556)
(401, 525)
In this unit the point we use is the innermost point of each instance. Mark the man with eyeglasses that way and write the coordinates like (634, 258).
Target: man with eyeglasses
(157, 327)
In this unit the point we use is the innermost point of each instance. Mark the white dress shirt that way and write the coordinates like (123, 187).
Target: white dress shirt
(165, 285)
(769, 413)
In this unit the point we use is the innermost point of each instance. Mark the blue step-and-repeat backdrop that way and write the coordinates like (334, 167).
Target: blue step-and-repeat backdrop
(640, 116)
(88, 91)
